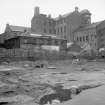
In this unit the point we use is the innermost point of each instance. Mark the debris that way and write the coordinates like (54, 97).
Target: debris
(4, 103)
(39, 66)
(51, 67)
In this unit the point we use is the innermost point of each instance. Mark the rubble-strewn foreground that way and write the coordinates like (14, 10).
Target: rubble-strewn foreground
(22, 83)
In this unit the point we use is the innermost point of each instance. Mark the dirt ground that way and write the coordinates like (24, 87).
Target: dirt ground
(23, 83)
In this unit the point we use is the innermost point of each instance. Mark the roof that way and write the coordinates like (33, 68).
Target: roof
(63, 16)
(26, 31)
(85, 11)
(40, 35)
(19, 28)
(67, 14)
(90, 26)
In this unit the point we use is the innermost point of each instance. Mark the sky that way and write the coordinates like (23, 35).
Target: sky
(20, 12)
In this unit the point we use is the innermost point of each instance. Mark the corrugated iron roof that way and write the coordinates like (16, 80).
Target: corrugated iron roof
(19, 28)
(40, 35)
(26, 31)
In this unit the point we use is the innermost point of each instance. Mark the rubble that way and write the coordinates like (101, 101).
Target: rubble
(19, 86)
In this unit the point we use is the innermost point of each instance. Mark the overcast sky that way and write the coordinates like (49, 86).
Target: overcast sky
(20, 12)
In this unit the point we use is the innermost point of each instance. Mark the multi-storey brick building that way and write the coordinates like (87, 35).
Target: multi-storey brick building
(64, 25)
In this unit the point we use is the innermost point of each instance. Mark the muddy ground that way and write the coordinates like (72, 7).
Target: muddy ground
(24, 83)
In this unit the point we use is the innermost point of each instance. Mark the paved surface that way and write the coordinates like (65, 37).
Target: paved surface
(89, 97)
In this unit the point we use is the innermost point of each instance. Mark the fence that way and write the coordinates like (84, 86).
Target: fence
(37, 55)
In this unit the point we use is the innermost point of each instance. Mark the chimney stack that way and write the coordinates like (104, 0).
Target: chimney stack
(76, 9)
(37, 11)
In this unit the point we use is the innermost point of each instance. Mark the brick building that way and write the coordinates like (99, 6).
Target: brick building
(63, 25)
(93, 34)
(73, 26)
(67, 23)
(41, 23)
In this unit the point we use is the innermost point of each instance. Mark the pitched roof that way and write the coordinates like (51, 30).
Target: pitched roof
(67, 14)
(32, 34)
(85, 11)
(90, 26)
(19, 28)
(64, 16)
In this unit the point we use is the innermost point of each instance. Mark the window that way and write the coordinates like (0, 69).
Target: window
(83, 38)
(77, 38)
(49, 41)
(58, 30)
(49, 23)
(95, 36)
(61, 29)
(56, 42)
(80, 39)
(91, 37)
(64, 29)
(95, 44)
(87, 38)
